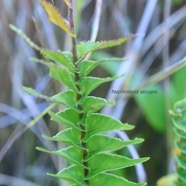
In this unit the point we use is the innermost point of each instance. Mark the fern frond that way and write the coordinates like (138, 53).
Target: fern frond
(90, 152)
(179, 126)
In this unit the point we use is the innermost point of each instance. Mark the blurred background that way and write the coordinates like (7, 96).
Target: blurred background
(160, 42)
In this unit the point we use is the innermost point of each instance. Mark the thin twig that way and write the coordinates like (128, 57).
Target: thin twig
(21, 115)
(179, 53)
(17, 134)
(10, 180)
(151, 56)
(97, 17)
(163, 74)
(174, 19)
(96, 22)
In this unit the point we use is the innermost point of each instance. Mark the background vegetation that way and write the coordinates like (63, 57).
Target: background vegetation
(160, 27)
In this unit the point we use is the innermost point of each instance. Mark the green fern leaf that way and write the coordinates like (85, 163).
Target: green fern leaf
(83, 48)
(88, 84)
(93, 104)
(180, 133)
(181, 105)
(63, 76)
(108, 162)
(179, 124)
(67, 98)
(60, 57)
(181, 146)
(99, 123)
(181, 161)
(86, 66)
(73, 174)
(68, 136)
(111, 180)
(33, 92)
(182, 175)
(107, 144)
(70, 153)
(64, 117)
(68, 55)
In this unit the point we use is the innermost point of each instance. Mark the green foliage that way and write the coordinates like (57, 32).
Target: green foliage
(63, 58)
(178, 88)
(150, 105)
(90, 152)
(83, 48)
(179, 126)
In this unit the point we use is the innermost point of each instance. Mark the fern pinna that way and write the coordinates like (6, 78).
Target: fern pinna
(179, 126)
(89, 151)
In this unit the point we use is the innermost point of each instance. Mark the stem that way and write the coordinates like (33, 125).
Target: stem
(74, 42)
(78, 95)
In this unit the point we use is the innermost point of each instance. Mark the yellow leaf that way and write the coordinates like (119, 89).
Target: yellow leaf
(55, 17)
(68, 4)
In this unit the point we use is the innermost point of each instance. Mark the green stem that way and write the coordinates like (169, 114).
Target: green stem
(78, 95)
